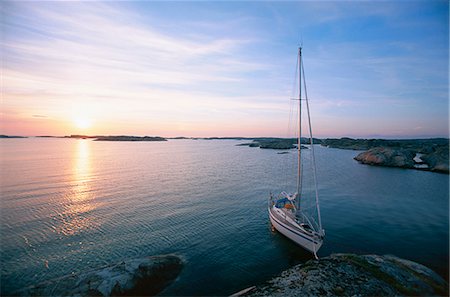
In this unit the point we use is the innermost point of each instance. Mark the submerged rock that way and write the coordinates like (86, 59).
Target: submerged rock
(137, 277)
(353, 275)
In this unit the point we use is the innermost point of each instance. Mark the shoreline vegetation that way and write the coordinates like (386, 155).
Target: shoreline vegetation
(431, 154)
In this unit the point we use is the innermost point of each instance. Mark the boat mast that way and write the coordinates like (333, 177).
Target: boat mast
(299, 165)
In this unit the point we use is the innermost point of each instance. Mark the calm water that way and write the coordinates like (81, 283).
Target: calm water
(74, 205)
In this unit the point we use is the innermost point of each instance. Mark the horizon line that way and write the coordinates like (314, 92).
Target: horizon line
(405, 137)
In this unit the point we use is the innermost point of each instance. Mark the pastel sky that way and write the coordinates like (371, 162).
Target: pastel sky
(373, 68)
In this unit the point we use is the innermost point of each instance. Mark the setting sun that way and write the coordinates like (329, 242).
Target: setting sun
(82, 123)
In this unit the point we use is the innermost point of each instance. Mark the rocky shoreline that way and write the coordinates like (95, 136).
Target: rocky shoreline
(435, 159)
(353, 275)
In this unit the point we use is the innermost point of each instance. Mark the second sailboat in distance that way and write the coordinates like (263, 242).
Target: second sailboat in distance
(286, 212)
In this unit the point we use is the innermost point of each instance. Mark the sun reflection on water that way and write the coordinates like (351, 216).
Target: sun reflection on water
(79, 201)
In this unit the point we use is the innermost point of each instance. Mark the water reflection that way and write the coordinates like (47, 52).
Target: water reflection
(79, 200)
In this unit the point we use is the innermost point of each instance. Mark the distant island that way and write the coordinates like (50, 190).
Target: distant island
(129, 138)
(11, 136)
(275, 143)
(118, 138)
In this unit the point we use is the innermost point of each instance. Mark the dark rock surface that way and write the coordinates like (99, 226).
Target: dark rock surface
(353, 275)
(137, 277)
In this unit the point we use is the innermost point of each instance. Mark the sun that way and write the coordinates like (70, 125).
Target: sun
(82, 123)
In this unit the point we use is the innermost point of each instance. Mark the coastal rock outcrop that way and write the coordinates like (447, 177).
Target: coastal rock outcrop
(432, 158)
(353, 275)
(138, 277)
(384, 156)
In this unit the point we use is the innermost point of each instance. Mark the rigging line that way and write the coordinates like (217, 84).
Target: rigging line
(312, 151)
(289, 125)
(286, 159)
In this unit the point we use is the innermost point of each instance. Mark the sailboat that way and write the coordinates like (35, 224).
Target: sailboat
(286, 210)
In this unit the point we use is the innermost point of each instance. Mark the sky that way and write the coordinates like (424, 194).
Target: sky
(374, 69)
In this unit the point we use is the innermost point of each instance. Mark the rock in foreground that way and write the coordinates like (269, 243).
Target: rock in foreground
(352, 275)
(137, 277)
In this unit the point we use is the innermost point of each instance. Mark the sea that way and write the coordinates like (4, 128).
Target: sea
(73, 205)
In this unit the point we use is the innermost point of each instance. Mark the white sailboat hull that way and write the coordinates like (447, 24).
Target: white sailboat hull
(294, 232)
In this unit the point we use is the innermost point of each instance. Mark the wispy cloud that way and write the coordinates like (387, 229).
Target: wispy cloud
(98, 51)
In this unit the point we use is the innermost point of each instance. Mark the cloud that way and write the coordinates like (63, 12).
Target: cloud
(97, 44)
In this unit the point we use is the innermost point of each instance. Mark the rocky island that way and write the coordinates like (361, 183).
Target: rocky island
(11, 136)
(129, 138)
(353, 275)
(138, 277)
(275, 143)
(118, 138)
